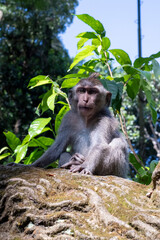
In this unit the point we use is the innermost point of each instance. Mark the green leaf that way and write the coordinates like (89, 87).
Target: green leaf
(156, 55)
(88, 51)
(153, 113)
(105, 43)
(121, 56)
(63, 103)
(59, 117)
(113, 87)
(69, 83)
(145, 74)
(40, 80)
(41, 142)
(130, 70)
(76, 75)
(37, 126)
(85, 36)
(93, 23)
(87, 69)
(4, 155)
(21, 151)
(33, 156)
(148, 93)
(133, 87)
(156, 68)
(61, 93)
(12, 140)
(88, 35)
(137, 165)
(116, 88)
(81, 43)
(3, 149)
(51, 100)
(43, 105)
(139, 62)
(153, 165)
(96, 42)
(46, 129)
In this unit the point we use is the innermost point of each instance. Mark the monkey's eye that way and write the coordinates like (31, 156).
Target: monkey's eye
(81, 90)
(92, 91)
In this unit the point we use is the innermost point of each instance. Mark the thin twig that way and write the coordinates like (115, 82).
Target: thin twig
(107, 64)
(124, 129)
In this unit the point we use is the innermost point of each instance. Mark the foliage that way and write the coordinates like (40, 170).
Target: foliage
(38, 126)
(29, 46)
(126, 79)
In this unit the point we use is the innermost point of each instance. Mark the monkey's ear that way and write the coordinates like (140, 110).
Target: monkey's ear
(108, 98)
(70, 96)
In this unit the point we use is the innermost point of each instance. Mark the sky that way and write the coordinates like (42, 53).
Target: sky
(119, 18)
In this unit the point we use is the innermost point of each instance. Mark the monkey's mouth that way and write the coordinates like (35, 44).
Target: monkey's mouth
(85, 108)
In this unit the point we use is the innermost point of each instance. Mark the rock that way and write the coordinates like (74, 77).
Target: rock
(55, 204)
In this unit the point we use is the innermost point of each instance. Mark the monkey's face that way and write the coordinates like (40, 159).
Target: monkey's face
(88, 99)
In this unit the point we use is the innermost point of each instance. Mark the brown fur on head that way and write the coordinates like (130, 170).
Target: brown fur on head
(92, 79)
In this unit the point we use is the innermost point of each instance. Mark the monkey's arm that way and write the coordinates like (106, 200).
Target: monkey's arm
(52, 154)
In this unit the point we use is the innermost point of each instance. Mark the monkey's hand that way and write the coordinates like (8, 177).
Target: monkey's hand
(76, 159)
(81, 169)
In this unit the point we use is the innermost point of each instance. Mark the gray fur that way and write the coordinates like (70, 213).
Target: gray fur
(99, 141)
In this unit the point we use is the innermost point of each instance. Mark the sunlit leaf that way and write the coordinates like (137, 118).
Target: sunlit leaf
(4, 155)
(93, 23)
(70, 82)
(121, 56)
(81, 43)
(3, 149)
(96, 42)
(21, 151)
(105, 43)
(75, 75)
(139, 62)
(26, 139)
(37, 126)
(39, 80)
(41, 142)
(12, 140)
(88, 35)
(88, 51)
(43, 105)
(51, 100)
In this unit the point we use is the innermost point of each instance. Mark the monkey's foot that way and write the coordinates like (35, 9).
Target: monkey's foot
(80, 169)
(76, 159)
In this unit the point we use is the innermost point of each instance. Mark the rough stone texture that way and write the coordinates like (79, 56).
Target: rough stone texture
(56, 204)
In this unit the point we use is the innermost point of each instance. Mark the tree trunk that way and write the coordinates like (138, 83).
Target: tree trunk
(56, 204)
(141, 106)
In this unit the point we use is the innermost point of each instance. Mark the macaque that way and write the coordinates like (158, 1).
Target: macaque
(97, 147)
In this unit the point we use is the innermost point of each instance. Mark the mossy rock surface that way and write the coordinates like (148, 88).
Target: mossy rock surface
(56, 204)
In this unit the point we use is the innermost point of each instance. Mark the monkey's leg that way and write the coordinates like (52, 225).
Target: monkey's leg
(64, 159)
